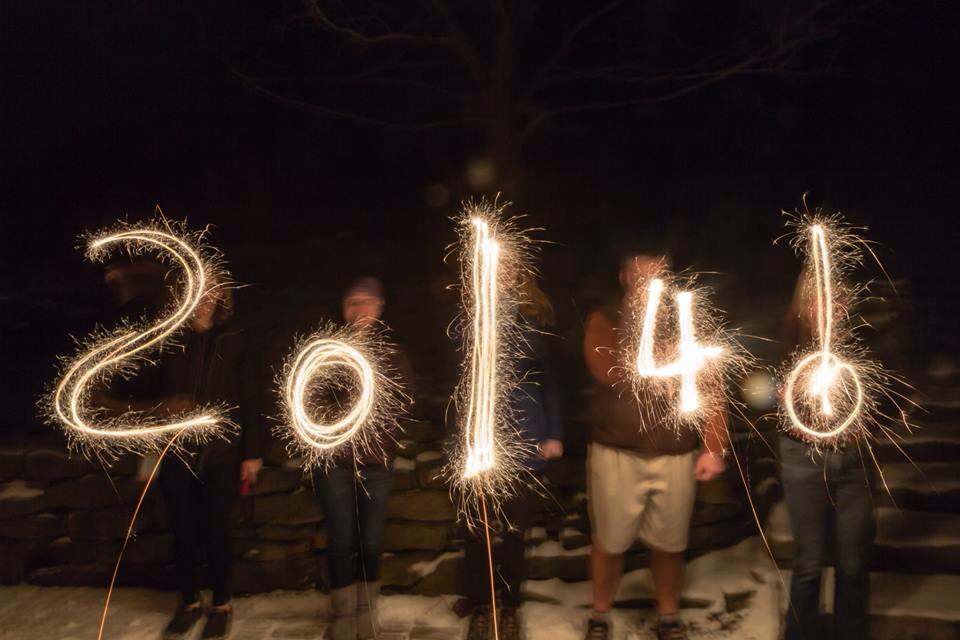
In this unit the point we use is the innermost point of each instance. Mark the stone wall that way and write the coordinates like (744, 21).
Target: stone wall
(62, 519)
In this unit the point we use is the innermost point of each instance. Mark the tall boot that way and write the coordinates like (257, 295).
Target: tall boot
(344, 604)
(368, 618)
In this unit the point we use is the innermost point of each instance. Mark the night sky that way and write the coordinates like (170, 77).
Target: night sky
(110, 110)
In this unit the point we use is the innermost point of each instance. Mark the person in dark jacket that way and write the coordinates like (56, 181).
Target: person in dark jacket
(209, 367)
(354, 493)
(536, 403)
(829, 500)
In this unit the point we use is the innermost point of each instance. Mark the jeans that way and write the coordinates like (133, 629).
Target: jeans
(509, 565)
(199, 508)
(830, 505)
(355, 510)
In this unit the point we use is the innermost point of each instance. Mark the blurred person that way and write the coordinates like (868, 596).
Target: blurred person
(210, 366)
(829, 502)
(641, 477)
(354, 494)
(536, 403)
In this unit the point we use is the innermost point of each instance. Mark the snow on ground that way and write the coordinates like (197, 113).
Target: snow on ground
(732, 593)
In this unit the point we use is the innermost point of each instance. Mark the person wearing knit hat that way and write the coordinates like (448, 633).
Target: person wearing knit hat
(353, 494)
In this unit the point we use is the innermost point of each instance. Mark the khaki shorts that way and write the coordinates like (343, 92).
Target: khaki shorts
(633, 495)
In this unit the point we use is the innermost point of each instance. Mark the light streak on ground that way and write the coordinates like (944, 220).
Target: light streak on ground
(338, 392)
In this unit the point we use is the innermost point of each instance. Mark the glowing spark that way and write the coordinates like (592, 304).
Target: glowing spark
(324, 369)
(481, 412)
(825, 377)
(120, 351)
(693, 386)
(485, 460)
(693, 357)
(831, 391)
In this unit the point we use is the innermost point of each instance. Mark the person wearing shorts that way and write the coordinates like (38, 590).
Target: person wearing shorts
(641, 478)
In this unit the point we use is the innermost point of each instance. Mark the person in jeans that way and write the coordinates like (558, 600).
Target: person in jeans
(354, 493)
(211, 366)
(641, 477)
(536, 402)
(829, 503)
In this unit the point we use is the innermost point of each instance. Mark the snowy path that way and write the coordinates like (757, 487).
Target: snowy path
(729, 594)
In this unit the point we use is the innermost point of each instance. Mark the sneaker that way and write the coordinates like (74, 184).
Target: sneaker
(183, 622)
(511, 624)
(671, 630)
(480, 627)
(218, 624)
(597, 630)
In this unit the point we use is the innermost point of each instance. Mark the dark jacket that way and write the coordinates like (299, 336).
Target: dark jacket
(214, 368)
(536, 400)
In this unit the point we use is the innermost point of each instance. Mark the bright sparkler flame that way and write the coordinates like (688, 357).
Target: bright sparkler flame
(692, 387)
(693, 356)
(485, 460)
(121, 350)
(832, 390)
(322, 369)
(481, 412)
(825, 380)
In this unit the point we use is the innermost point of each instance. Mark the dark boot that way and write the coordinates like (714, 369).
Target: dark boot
(597, 630)
(511, 624)
(219, 621)
(671, 629)
(183, 622)
(480, 624)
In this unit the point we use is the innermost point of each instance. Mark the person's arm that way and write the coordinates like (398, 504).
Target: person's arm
(599, 339)
(552, 444)
(253, 436)
(716, 442)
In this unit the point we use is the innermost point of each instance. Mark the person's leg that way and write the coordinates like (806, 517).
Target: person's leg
(853, 539)
(666, 568)
(606, 569)
(511, 563)
(809, 510)
(217, 488)
(335, 489)
(616, 498)
(181, 491)
(665, 527)
(373, 495)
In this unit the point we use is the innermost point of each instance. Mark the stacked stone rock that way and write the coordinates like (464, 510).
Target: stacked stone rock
(62, 519)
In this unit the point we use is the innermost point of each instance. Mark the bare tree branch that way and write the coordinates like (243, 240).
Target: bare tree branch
(336, 114)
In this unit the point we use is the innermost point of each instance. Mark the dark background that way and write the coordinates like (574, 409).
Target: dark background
(111, 108)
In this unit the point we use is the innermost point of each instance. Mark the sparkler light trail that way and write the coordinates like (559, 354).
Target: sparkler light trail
(831, 390)
(693, 357)
(119, 352)
(329, 369)
(494, 256)
(824, 380)
(692, 386)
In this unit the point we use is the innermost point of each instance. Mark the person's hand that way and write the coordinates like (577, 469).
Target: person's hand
(708, 466)
(550, 449)
(249, 470)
